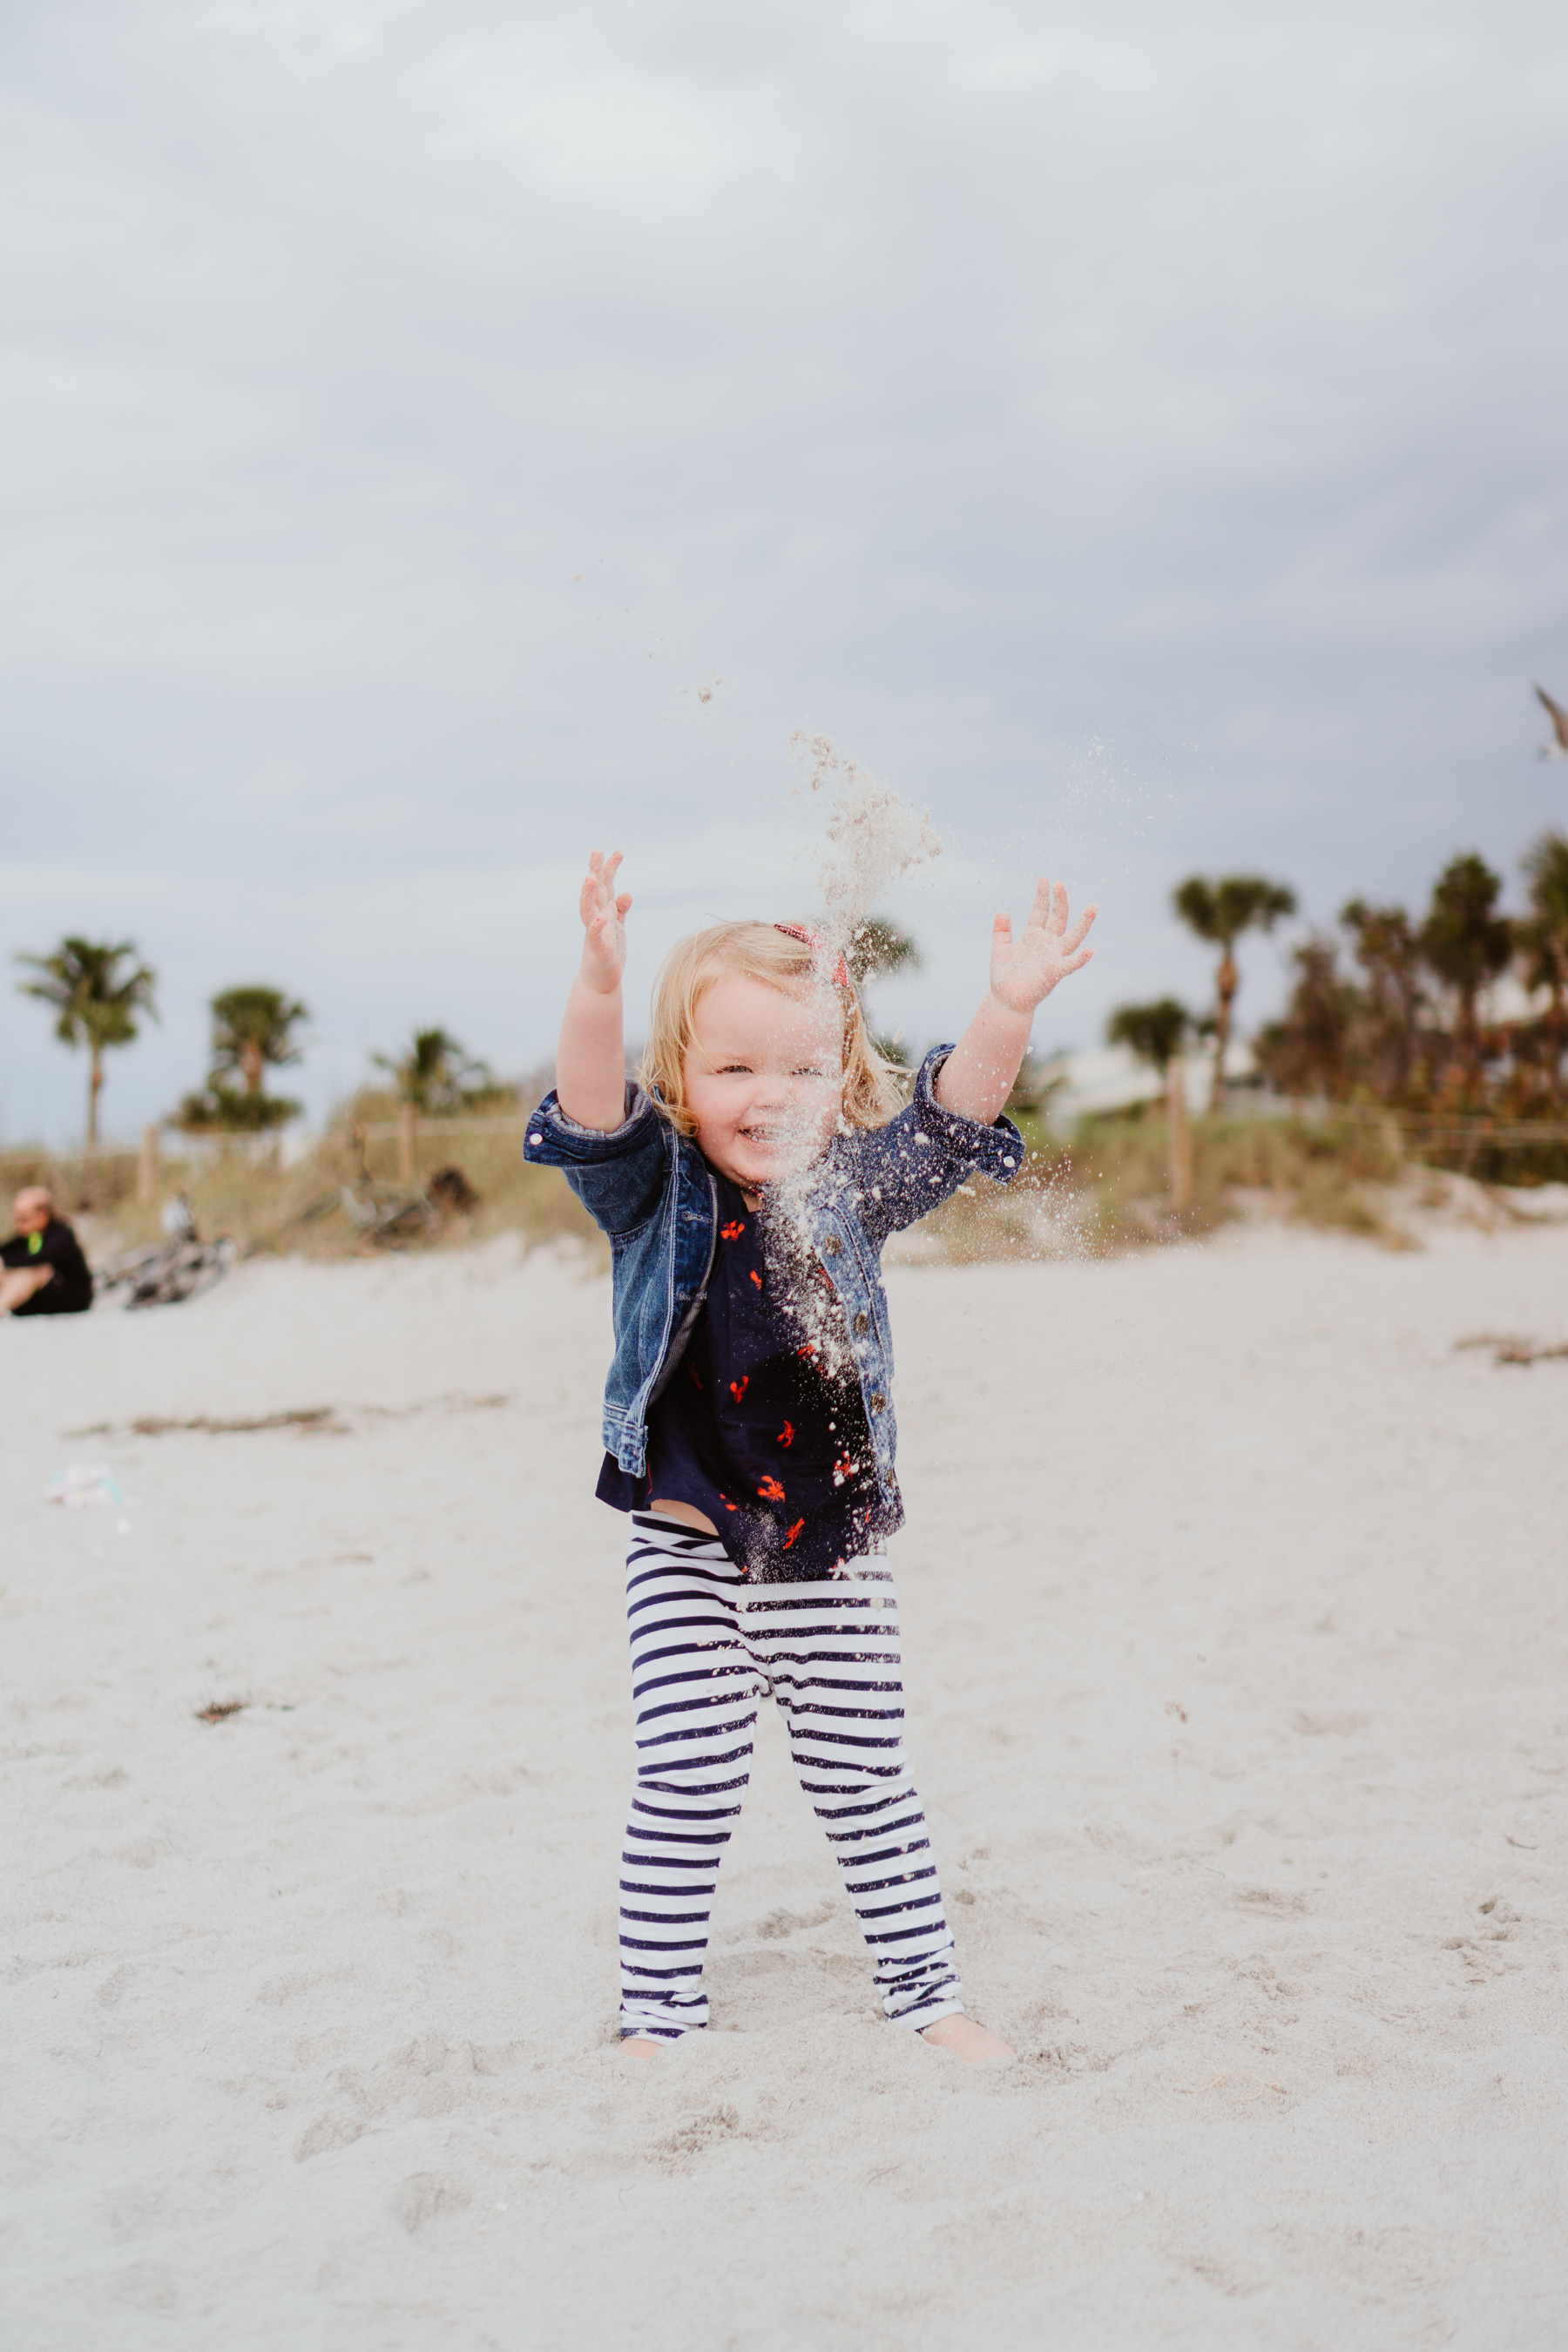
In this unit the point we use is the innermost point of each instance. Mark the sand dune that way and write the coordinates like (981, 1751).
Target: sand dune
(1235, 1612)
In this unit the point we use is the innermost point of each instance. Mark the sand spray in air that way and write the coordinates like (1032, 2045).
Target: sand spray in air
(873, 838)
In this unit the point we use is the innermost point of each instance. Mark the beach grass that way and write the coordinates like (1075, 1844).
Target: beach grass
(1100, 1191)
(298, 1210)
(1105, 1189)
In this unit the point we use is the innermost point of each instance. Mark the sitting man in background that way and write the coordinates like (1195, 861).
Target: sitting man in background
(42, 1269)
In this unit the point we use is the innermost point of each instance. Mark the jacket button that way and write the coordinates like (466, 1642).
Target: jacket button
(877, 1400)
(832, 1246)
(862, 1323)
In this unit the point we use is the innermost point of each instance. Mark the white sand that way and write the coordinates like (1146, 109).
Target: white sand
(1235, 1626)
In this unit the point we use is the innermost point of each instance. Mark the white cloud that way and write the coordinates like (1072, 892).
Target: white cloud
(980, 383)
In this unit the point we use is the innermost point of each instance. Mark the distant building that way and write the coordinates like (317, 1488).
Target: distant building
(1112, 1079)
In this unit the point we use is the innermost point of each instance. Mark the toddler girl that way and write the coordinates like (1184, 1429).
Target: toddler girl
(747, 1186)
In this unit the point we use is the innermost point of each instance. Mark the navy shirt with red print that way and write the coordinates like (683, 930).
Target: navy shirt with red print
(763, 1428)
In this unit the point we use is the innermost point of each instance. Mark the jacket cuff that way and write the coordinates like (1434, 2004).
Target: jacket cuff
(551, 1137)
(996, 1151)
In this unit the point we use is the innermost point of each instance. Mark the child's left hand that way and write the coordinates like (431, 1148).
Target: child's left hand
(1023, 972)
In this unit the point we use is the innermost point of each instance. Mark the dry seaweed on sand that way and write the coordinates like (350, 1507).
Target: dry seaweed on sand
(316, 1419)
(308, 1420)
(1507, 1348)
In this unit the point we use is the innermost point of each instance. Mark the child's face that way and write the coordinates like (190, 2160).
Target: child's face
(764, 1077)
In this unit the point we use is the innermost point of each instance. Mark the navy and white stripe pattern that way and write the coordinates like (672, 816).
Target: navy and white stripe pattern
(707, 1648)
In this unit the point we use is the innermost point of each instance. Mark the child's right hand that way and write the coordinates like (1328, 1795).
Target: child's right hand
(604, 920)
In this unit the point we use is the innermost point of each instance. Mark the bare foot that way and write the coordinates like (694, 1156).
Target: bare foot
(967, 2041)
(637, 2045)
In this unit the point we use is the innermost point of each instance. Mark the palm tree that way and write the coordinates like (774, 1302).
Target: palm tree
(1312, 1048)
(435, 1074)
(878, 949)
(1155, 1032)
(1542, 939)
(1219, 912)
(94, 1002)
(1466, 942)
(253, 1032)
(1387, 946)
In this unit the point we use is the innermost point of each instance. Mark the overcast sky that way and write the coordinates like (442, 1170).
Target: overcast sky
(1135, 431)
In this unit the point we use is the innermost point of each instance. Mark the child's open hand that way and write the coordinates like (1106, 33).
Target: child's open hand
(1024, 972)
(604, 920)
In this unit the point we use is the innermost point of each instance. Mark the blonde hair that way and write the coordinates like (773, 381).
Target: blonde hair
(780, 961)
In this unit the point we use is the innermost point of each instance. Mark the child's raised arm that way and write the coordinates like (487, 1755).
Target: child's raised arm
(591, 1060)
(977, 1077)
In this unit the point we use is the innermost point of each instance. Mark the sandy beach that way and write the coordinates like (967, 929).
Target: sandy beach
(1236, 1630)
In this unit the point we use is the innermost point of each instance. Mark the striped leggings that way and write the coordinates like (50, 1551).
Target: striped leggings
(707, 1647)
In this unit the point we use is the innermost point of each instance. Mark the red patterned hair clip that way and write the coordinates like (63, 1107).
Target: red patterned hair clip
(840, 973)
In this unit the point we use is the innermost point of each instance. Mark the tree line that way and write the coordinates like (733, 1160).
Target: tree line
(1385, 1008)
(98, 992)
(1388, 1007)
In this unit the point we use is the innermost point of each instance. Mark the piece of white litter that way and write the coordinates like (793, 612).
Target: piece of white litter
(84, 1485)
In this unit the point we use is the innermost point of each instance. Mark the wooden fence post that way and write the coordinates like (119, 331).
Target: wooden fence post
(147, 1168)
(407, 1131)
(1179, 1135)
(1393, 1140)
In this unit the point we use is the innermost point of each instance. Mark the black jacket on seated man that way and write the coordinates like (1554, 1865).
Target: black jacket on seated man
(68, 1290)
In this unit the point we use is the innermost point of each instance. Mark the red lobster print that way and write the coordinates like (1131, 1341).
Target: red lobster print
(845, 1468)
(737, 1388)
(756, 1277)
(733, 1233)
(793, 1533)
(771, 1491)
(787, 1434)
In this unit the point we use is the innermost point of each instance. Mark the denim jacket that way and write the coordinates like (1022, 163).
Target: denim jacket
(650, 1188)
